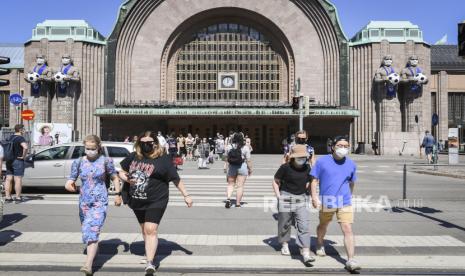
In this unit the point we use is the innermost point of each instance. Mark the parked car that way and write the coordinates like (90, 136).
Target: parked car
(50, 167)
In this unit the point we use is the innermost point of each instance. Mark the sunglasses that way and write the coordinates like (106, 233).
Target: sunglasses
(151, 143)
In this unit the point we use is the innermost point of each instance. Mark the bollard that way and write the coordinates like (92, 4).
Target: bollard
(404, 197)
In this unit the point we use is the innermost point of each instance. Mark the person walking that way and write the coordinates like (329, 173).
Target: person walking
(291, 184)
(301, 138)
(172, 147)
(93, 169)
(204, 152)
(161, 139)
(149, 171)
(15, 166)
(374, 146)
(248, 143)
(428, 143)
(219, 144)
(182, 146)
(335, 174)
(239, 167)
(190, 146)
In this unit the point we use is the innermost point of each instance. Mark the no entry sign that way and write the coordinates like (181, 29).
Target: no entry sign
(27, 115)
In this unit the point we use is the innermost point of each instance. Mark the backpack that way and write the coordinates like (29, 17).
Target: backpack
(235, 156)
(9, 149)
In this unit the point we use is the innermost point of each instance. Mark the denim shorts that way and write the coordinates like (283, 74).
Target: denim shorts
(15, 168)
(235, 170)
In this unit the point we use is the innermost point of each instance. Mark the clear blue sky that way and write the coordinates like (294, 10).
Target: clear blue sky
(435, 18)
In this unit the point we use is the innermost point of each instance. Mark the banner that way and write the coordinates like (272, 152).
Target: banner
(453, 143)
(49, 134)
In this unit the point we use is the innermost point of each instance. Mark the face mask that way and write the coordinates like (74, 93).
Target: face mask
(65, 61)
(91, 153)
(40, 61)
(414, 62)
(146, 148)
(301, 161)
(300, 141)
(342, 152)
(388, 62)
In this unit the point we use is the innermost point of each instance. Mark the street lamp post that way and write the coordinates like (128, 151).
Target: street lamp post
(301, 104)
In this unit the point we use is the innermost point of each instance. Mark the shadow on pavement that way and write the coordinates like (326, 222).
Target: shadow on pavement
(165, 249)
(10, 219)
(295, 252)
(107, 250)
(425, 210)
(8, 236)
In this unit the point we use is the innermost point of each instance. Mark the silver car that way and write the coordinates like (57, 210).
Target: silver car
(51, 167)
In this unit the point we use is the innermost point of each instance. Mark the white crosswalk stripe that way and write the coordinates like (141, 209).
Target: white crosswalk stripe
(210, 192)
(232, 240)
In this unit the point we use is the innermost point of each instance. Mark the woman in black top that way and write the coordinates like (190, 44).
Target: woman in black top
(149, 171)
(291, 183)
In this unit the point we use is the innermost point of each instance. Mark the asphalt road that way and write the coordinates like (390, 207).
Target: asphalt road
(425, 234)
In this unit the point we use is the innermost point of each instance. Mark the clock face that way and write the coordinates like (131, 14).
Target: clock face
(228, 82)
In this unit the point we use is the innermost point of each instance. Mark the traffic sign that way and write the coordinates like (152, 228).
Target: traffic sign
(27, 115)
(16, 99)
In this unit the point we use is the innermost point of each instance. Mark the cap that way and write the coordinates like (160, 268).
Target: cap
(340, 138)
(299, 151)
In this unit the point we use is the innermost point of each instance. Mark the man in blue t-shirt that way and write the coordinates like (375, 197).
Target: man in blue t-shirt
(336, 175)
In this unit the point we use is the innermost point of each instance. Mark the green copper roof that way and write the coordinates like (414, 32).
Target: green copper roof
(60, 30)
(392, 31)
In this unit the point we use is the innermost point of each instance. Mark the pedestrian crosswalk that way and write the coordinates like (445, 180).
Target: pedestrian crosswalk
(210, 191)
(195, 252)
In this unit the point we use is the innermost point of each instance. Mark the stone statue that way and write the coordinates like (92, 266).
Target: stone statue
(412, 77)
(67, 77)
(40, 77)
(387, 77)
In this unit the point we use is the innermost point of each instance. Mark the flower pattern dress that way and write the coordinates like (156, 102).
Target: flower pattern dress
(93, 199)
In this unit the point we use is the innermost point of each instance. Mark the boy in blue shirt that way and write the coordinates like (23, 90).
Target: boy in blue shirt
(336, 175)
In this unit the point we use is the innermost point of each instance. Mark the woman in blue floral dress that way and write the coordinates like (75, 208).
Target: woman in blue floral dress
(93, 200)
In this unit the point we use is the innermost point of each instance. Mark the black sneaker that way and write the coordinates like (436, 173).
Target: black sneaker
(8, 200)
(228, 204)
(18, 200)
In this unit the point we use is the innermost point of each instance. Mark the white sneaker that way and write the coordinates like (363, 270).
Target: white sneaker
(320, 251)
(285, 249)
(352, 265)
(150, 268)
(305, 252)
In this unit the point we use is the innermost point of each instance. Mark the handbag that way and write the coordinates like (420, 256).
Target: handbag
(178, 161)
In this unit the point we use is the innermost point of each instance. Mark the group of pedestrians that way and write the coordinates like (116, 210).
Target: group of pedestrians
(146, 174)
(143, 184)
(301, 175)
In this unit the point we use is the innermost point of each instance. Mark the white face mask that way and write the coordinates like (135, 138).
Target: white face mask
(414, 62)
(65, 61)
(91, 153)
(40, 61)
(388, 62)
(342, 152)
(301, 161)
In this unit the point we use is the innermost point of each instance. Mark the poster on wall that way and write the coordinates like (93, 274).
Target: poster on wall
(49, 134)
(453, 143)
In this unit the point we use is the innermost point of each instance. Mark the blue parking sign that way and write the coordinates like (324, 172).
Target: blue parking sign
(16, 99)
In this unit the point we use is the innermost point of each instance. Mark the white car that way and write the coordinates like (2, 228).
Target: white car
(51, 167)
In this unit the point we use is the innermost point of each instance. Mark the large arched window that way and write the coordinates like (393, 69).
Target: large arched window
(234, 49)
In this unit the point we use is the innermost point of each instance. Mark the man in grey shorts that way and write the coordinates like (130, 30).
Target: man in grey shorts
(239, 167)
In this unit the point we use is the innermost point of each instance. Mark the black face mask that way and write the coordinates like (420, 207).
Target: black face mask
(300, 141)
(146, 147)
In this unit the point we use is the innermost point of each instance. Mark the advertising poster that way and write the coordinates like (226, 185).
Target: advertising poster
(453, 143)
(49, 134)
